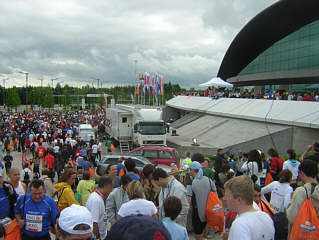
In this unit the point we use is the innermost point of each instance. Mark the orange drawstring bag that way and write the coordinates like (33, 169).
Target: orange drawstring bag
(269, 179)
(306, 225)
(13, 231)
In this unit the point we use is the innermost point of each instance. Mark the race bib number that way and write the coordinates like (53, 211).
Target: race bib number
(33, 223)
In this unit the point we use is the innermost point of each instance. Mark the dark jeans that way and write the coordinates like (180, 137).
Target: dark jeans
(26, 237)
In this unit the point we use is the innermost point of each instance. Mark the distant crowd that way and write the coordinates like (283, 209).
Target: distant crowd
(271, 95)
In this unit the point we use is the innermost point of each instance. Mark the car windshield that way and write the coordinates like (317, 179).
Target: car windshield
(151, 128)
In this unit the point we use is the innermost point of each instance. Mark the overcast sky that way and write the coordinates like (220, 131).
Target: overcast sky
(77, 40)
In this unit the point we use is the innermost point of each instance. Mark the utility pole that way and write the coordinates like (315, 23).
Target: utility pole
(4, 89)
(98, 81)
(53, 79)
(26, 85)
(41, 79)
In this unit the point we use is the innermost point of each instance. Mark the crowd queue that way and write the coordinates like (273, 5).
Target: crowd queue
(253, 195)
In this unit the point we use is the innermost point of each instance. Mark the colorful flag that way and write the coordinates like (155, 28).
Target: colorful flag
(162, 85)
(137, 90)
(105, 99)
(139, 76)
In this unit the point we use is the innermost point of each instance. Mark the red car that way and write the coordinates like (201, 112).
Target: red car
(158, 155)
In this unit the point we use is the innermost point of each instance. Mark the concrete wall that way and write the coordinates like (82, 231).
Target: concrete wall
(281, 140)
(302, 137)
(171, 113)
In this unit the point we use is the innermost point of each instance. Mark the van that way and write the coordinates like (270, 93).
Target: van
(86, 131)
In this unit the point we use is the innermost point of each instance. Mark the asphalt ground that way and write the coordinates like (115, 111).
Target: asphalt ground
(17, 158)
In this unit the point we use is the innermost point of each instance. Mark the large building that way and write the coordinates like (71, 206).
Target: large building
(280, 46)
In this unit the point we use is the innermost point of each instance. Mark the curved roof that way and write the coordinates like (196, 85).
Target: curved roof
(268, 27)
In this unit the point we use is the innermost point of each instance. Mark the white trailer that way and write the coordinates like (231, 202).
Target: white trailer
(142, 126)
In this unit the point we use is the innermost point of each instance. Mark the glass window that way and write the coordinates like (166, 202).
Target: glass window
(124, 119)
(137, 153)
(150, 154)
(164, 154)
(111, 160)
(139, 163)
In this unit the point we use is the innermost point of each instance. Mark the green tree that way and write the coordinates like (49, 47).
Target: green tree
(47, 97)
(12, 97)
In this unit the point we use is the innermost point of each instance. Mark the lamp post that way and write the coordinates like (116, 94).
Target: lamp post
(41, 79)
(26, 85)
(53, 79)
(4, 89)
(98, 81)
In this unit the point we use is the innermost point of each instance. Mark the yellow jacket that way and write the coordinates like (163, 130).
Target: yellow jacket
(67, 198)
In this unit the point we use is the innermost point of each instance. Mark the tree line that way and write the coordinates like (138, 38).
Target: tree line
(67, 95)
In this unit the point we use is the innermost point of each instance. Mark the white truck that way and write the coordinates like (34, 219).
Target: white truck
(139, 125)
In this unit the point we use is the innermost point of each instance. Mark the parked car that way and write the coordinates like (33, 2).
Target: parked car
(140, 162)
(158, 155)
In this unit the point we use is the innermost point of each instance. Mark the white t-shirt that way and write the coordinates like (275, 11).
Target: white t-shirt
(137, 207)
(251, 168)
(95, 204)
(252, 226)
(95, 148)
(293, 168)
(280, 195)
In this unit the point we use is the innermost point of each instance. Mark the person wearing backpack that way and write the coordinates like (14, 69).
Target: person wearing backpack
(307, 173)
(198, 194)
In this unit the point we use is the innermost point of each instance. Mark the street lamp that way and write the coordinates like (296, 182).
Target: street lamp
(98, 81)
(4, 89)
(26, 84)
(53, 79)
(41, 79)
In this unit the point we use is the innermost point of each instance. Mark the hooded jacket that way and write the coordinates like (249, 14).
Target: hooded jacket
(114, 202)
(85, 188)
(67, 198)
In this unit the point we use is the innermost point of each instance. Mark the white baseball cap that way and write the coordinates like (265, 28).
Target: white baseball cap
(71, 217)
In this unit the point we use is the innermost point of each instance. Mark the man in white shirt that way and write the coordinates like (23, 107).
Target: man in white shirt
(95, 204)
(250, 224)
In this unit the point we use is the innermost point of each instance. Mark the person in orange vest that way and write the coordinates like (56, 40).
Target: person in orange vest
(262, 204)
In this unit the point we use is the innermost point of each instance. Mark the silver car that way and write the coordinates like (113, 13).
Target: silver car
(140, 162)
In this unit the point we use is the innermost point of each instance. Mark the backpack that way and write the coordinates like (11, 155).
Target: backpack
(280, 223)
(215, 213)
(306, 225)
(26, 178)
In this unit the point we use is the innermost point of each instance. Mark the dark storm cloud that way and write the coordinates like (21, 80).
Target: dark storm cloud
(76, 40)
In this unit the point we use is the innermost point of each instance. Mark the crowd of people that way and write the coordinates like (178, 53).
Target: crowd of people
(57, 192)
(270, 95)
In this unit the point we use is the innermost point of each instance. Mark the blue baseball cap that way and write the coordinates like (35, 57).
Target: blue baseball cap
(138, 228)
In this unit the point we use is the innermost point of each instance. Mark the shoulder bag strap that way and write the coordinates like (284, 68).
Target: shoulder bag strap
(24, 198)
(59, 197)
(269, 210)
(210, 184)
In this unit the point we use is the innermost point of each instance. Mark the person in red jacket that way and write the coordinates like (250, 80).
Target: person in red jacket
(276, 163)
(40, 152)
(48, 162)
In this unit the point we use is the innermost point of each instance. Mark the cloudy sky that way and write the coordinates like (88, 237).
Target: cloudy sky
(77, 40)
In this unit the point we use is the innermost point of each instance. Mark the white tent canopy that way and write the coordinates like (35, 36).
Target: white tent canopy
(216, 82)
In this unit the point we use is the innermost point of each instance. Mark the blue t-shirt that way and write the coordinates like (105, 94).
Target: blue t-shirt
(38, 216)
(86, 165)
(83, 152)
(176, 231)
(134, 176)
(79, 161)
(4, 204)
